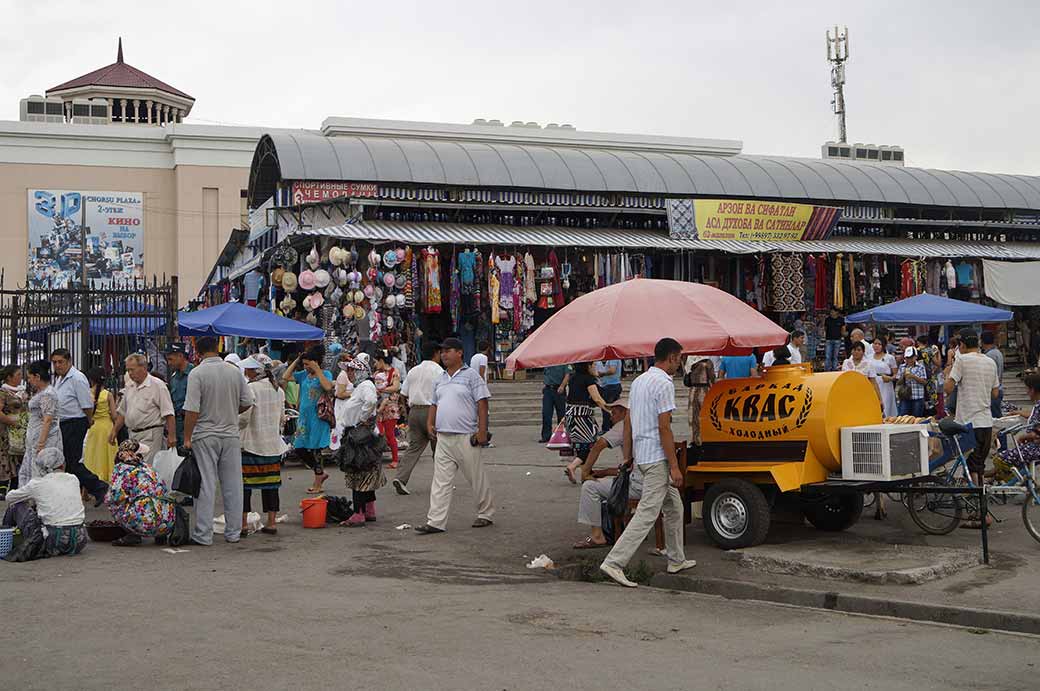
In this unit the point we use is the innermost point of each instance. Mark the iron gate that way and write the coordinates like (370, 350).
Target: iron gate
(99, 326)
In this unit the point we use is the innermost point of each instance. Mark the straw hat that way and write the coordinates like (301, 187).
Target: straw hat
(369, 290)
(276, 276)
(373, 258)
(359, 312)
(337, 255)
(322, 278)
(388, 279)
(390, 258)
(348, 311)
(389, 323)
(287, 304)
(359, 296)
(313, 258)
(289, 281)
(316, 300)
(400, 300)
(311, 319)
(307, 280)
(390, 302)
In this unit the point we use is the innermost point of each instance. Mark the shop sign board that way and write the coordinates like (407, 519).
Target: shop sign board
(749, 220)
(114, 249)
(305, 191)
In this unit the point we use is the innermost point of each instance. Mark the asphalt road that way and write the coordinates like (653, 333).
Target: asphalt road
(378, 608)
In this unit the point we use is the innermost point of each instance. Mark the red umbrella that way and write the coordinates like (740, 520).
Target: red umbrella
(627, 319)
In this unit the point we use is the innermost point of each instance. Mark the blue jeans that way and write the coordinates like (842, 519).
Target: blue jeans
(831, 354)
(995, 405)
(610, 393)
(914, 407)
(551, 401)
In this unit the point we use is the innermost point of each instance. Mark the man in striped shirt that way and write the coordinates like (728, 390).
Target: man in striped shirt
(649, 442)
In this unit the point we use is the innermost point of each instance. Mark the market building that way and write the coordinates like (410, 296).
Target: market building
(390, 229)
(108, 151)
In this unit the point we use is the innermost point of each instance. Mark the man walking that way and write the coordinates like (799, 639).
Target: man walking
(458, 419)
(177, 359)
(216, 395)
(649, 441)
(833, 331)
(554, 386)
(418, 389)
(608, 378)
(794, 346)
(975, 377)
(989, 346)
(75, 412)
(145, 408)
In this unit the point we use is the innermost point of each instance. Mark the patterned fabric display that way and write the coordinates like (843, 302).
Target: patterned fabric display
(788, 283)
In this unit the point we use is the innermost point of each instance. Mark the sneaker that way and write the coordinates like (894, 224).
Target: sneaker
(676, 568)
(617, 575)
(401, 488)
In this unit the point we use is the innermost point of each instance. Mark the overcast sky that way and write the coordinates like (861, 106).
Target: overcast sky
(955, 83)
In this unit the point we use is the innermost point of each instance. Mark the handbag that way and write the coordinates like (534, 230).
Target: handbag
(559, 441)
(180, 535)
(16, 435)
(617, 502)
(326, 408)
(187, 479)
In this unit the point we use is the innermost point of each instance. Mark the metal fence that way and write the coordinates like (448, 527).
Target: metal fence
(98, 326)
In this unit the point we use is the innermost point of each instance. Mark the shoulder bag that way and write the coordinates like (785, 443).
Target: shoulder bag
(617, 502)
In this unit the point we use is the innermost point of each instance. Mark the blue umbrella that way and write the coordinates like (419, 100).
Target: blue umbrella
(929, 309)
(236, 319)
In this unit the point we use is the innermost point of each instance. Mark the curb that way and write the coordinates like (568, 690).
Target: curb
(852, 604)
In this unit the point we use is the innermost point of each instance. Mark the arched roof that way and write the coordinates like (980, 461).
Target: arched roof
(308, 155)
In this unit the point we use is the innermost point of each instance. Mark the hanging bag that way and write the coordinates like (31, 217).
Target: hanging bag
(326, 408)
(187, 479)
(617, 502)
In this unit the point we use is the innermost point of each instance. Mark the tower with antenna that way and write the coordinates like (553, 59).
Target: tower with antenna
(837, 54)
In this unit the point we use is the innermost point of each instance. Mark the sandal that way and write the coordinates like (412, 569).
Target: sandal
(587, 543)
(569, 472)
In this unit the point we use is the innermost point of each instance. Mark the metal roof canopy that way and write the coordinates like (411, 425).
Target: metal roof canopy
(309, 155)
(421, 233)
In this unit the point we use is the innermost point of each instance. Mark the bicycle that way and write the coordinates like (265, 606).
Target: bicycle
(939, 513)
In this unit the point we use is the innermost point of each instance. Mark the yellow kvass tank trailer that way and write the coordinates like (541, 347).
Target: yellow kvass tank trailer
(765, 438)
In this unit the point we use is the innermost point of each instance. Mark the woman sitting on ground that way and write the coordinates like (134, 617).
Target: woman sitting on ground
(58, 510)
(137, 497)
(1027, 441)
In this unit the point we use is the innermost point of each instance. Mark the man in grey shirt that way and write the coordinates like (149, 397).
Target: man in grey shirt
(458, 420)
(989, 347)
(217, 393)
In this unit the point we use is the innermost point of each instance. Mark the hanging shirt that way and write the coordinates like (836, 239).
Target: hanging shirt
(964, 275)
(467, 262)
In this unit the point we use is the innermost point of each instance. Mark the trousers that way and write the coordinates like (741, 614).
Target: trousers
(418, 439)
(593, 494)
(73, 432)
(658, 497)
(832, 350)
(268, 498)
(552, 400)
(219, 458)
(455, 453)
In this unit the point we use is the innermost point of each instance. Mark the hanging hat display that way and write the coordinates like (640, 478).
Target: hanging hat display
(390, 259)
(389, 323)
(358, 296)
(276, 276)
(313, 258)
(316, 300)
(337, 256)
(388, 280)
(307, 281)
(359, 313)
(322, 278)
(369, 290)
(287, 304)
(289, 281)
(348, 311)
(285, 256)
(373, 259)
(400, 255)
(377, 295)
(342, 277)
(336, 297)
(399, 299)
(311, 319)
(390, 302)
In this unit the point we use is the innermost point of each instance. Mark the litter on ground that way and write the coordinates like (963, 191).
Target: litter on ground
(541, 562)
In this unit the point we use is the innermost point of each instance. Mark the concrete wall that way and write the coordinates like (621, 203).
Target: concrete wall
(189, 213)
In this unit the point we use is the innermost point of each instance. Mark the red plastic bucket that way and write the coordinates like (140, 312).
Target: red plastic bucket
(314, 511)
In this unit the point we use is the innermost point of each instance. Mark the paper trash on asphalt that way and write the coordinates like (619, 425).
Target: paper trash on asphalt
(541, 562)
(403, 526)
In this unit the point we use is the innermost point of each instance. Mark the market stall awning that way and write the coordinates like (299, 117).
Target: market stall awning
(558, 236)
(236, 319)
(929, 309)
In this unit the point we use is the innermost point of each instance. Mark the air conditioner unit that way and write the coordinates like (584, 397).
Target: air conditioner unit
(884, 452)
(81, 111)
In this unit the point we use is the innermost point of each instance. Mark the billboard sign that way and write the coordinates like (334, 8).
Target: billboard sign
(749, 220)
(306, 191)
(114, 244)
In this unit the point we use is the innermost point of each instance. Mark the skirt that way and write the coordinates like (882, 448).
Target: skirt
(261, 472)
(365, 480)
(65, 540)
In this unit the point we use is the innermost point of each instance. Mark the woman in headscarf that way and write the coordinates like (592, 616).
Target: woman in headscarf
(59, 507)
(262, 445)
(137, 497)
(13, 418)
(361, 448)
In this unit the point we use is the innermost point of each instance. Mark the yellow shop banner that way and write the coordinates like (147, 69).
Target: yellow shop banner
(745, 219)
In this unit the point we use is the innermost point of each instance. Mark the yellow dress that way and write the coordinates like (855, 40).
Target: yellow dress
(98, 455)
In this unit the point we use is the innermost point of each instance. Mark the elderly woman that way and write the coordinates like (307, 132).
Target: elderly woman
(361, 451)
(42, 431)
(58, 509)
(13, 417)
(137, 497)
(262, 445)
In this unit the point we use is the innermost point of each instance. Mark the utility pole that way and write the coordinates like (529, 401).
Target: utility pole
(837, 54)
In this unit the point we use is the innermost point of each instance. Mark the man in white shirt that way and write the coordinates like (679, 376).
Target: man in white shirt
(975, 377)
(146, 408)
(794, 345)
(418, 390)
(479, 362)
(649, 442)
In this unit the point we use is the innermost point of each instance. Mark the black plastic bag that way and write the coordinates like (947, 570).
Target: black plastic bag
(181, 534)
(617, 502)
(339, 509)
(187, 479)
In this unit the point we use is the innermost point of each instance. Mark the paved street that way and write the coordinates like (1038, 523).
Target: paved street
(380, 608)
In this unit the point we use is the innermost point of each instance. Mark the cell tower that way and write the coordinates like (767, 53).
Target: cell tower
(837, 54)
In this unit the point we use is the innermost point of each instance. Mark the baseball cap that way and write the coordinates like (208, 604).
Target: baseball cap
(910, 352)
(176, 348)
(451, 344)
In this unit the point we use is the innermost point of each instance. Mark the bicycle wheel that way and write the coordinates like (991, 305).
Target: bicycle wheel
(935, 513)
(1031, 516)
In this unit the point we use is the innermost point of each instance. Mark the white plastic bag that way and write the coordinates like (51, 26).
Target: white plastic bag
(166, 463)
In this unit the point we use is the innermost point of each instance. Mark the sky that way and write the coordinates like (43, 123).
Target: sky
(954, 83)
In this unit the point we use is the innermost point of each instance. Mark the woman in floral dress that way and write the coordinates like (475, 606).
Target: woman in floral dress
(42, 431)
(136, 497)
(13, 418)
